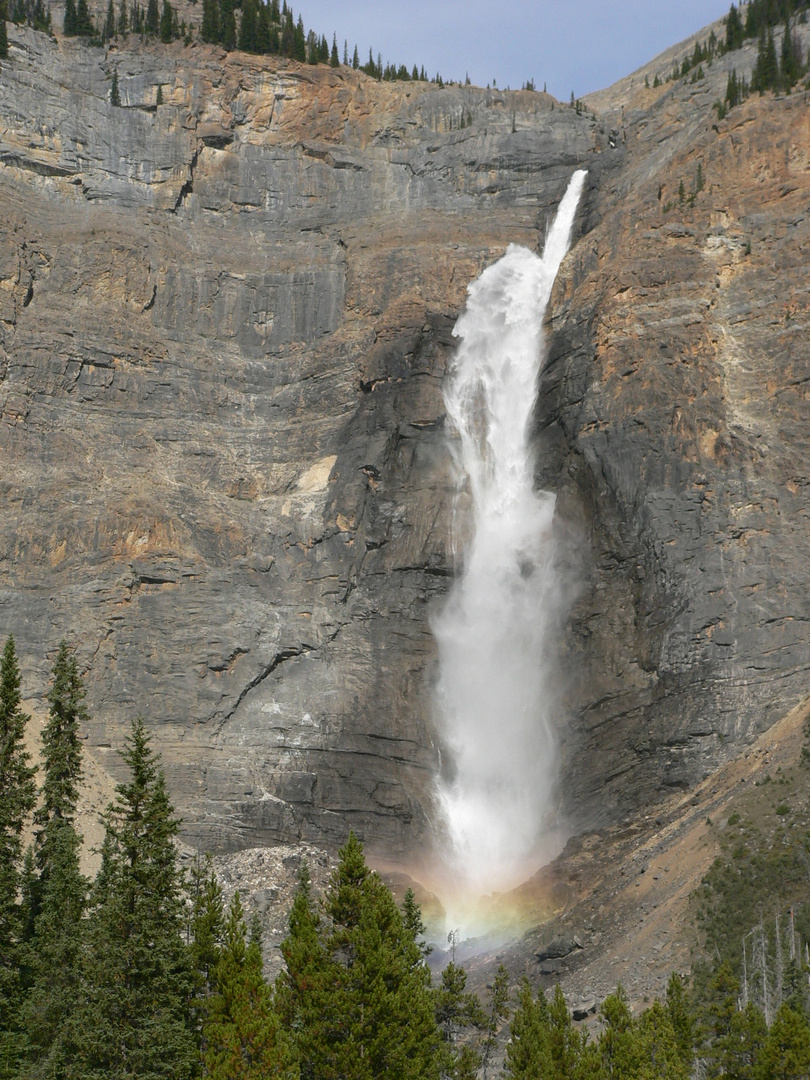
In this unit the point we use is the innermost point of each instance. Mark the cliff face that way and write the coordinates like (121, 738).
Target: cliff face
(225, 320)
(675, 423)
(225, 323)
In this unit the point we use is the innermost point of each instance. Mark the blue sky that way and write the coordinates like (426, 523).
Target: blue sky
(579, 45)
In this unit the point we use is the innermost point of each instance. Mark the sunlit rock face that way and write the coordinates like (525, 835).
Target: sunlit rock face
(226, 322)
(225, 326)
(674, 425)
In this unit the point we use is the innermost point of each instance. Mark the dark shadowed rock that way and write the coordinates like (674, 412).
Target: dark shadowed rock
(558, 948)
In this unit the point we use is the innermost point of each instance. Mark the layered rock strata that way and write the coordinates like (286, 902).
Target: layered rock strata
(225, 323)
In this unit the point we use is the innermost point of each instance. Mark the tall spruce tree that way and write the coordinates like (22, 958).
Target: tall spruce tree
(61, 746)
(248, 27)
(299, 44)
(17, 798)
(108, 33)
(790, 67)
(528, 1052)
(356, 990)
(681, 1018)
(227, 24)
(58, 893)
(167, 21)
(84, 24)
(134, 1020)
(70, 24)
(242, 1035)
(497, 1013)
(785, 1054)
(304, 987)
(657, 1049)
(3, 29)
(210, 21)
(617, 1041)
(735, 34)
(738, 1052)
(206, 926)
(54, 958)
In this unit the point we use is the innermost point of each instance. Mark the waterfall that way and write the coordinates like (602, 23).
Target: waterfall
(495, 689)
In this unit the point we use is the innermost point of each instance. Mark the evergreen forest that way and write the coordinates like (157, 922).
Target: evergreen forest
(146, 972)
(251, 26)
(270, 28)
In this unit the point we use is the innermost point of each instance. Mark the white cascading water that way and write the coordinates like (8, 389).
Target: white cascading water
(496, 673)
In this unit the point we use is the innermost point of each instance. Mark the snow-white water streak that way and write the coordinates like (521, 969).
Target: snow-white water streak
(495, 660)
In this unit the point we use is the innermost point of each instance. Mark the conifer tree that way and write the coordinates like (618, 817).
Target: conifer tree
(497, 1013)
(412, 918)
(54, 957)
(227, 25)
(242, 1035)
(70, 27)
(334, 59)
(17, 797)
(785, 1054)
(3, 29)
(528, 1053)
(248, 27)
(680, 1016)
(266, 32)
(737, 1052)
(109, 23)
(115, 93)
(152, 17)
(766, 69)
(734, 29)
(355, 59)
(167, 20)
(302, 989)
(84, 24)
(456, 1007)
(134, 1018)
(723, 992)
(287, 34)
(210, 21)
(61, 747)
(299, 42)
(123, 22)
(790, 67)
(617, 1042)
(56, 895)
(204, 936)
(356, 991)
(656, 1048)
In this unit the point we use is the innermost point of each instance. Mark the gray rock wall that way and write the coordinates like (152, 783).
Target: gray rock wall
(225, 324)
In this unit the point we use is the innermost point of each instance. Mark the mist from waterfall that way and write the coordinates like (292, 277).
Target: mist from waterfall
(496, 662)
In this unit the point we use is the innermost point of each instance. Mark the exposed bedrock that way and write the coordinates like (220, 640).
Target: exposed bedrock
(224, 324)
(674, 423)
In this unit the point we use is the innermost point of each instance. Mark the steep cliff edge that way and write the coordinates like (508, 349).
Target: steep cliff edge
(674, 421)
(225, 320)
(225, 323)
